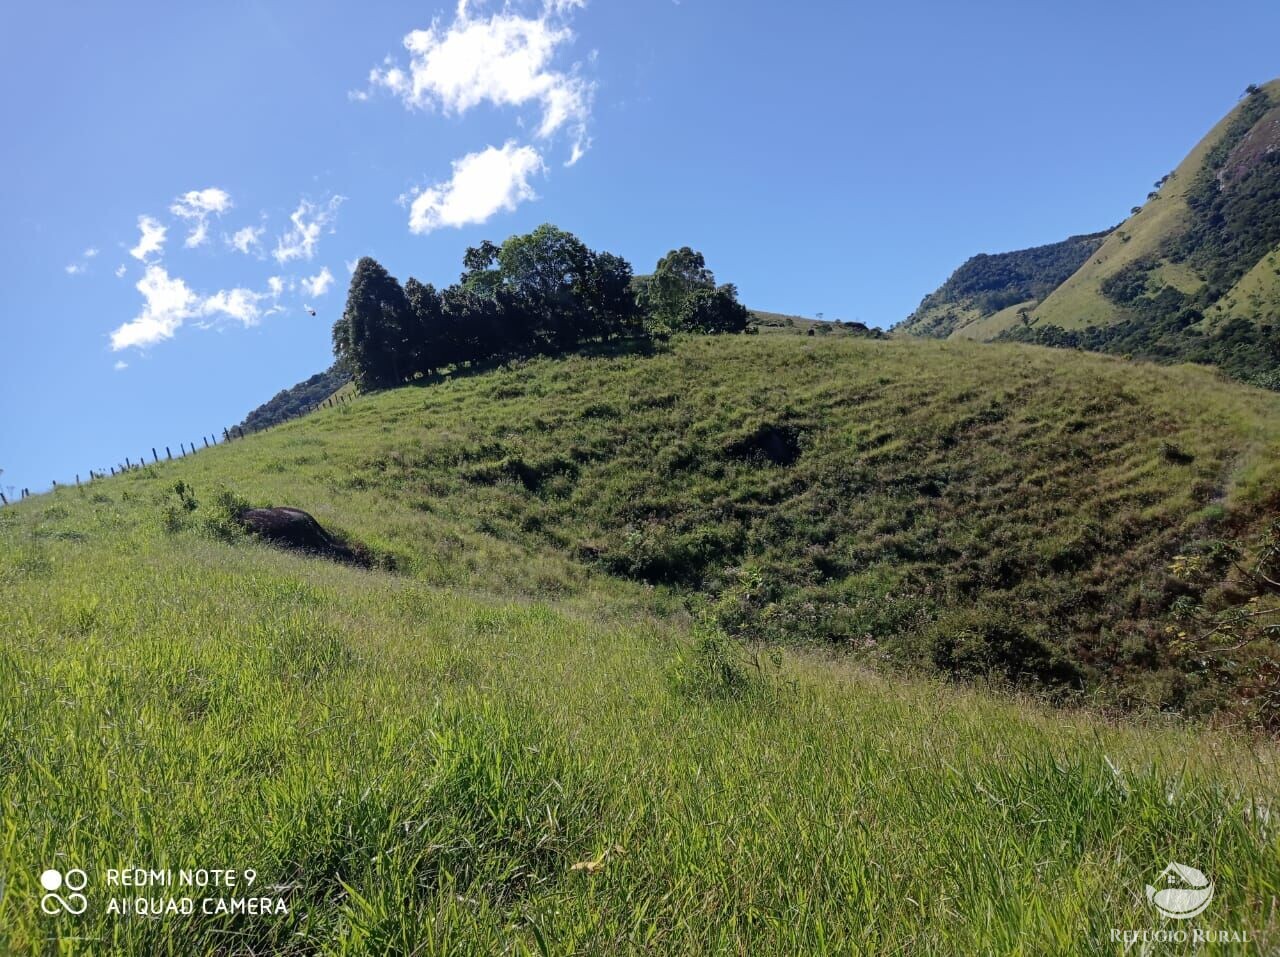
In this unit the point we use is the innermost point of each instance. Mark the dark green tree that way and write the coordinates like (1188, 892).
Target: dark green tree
(374, 323)
(713, 311)
(426, 343)
(480, 273)
(610, 297)
(677, 276)
(547, 274)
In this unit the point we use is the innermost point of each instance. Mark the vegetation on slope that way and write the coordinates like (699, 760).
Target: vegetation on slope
(1191, 276)
(295, 401)
(502, 748)
(988, 284)
(543, 293)
(777, 323)
(1004, 513)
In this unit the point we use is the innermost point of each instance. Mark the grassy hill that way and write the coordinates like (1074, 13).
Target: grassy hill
(1192, 275)
(304, 396)
(777, 323)
(526, 730)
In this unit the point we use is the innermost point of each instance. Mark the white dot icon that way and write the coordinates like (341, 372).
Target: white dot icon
(51, 880)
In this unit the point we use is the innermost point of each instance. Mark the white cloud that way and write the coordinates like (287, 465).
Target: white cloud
(318, 284)
(167, 304)
(120, 365)
(77, 268)
(121, 270)
(505, 60)
(309, 221)
(482, 184)
(247, 240)
(276, 285)
(239, 304)
(196, 206)
(152, 240)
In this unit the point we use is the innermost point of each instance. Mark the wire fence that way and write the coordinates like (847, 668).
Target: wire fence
(129, 465)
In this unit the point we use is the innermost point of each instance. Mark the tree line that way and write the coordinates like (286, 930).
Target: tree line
(541, 293)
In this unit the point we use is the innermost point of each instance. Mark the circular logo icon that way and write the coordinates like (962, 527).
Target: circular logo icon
(1185, 894)
(73, 881)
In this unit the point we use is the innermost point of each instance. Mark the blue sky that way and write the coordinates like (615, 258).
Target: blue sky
(840, 158)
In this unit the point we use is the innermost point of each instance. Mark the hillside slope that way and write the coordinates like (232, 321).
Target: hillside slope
(518, 740)
(297, 400)
(976, 298)
(1170, 240)
(880, 497)
(1192, 275)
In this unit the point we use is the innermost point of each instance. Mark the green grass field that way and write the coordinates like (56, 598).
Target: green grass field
(526, 732)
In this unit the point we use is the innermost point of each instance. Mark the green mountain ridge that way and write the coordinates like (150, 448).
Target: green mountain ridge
(1192, 275)
(976, 298)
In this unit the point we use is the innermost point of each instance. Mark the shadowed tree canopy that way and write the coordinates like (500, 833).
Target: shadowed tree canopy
(543, 292)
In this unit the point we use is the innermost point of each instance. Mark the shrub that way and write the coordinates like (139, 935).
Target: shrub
(717, 668)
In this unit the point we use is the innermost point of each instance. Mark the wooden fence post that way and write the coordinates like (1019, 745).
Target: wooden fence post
(167, 452)
(153, 454)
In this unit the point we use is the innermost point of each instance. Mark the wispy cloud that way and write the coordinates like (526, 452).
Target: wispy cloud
(121, 270)
(151, 240)
(482, 184)
(505, 59)
(309, 221)
(82, 266)
(247, 240)
(318, 284)
(196, 206)
(168, 303)
(239, 304)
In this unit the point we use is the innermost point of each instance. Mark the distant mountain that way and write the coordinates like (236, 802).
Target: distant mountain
(1192, 275)
(985, 295)
(295, 401)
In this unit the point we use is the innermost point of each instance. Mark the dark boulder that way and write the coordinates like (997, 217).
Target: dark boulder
(296, 529)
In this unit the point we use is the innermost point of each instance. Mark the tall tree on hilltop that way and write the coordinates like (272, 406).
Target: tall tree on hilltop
(374, 322)
(546, 272)
(682, 296)
(610, 296)
(677, 276)
(481, 275)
